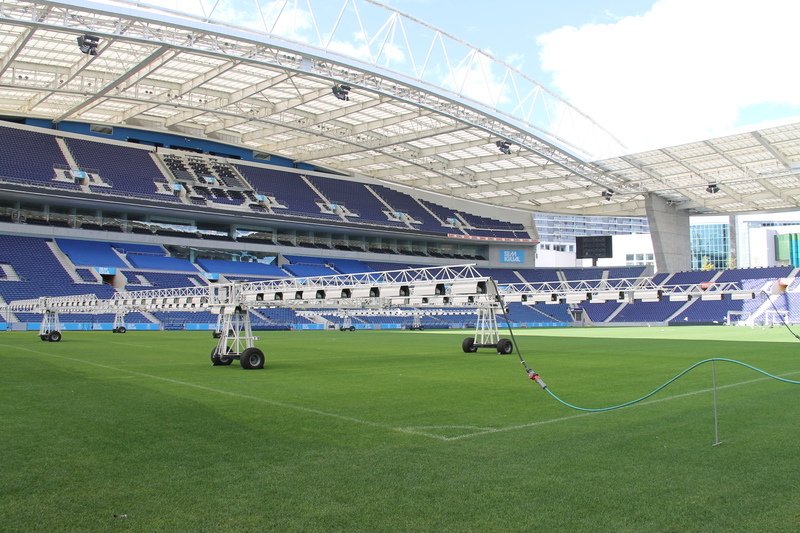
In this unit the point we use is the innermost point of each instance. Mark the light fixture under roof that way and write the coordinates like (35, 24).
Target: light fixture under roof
(341, 91)
(504, 147)
(88, 44)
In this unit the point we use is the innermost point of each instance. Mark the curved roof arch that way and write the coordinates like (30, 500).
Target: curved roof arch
(394, 42)
(432, 123)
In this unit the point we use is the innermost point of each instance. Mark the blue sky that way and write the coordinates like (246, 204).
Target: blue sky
(653, 73)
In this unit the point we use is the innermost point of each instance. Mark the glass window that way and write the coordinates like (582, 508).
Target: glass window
(710, 246)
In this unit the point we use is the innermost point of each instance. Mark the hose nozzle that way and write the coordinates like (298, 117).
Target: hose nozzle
(535, 377)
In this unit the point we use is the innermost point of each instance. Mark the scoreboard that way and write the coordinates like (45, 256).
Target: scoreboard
(593, 247)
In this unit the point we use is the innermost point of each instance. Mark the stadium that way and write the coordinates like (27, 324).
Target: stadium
(367, 228)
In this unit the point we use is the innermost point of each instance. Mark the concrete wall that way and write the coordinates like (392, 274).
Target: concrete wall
(669, 229)
(556, 259)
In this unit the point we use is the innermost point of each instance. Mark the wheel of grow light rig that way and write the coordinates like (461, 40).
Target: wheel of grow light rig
(505, 346)
(219, 360)
(252, 359)
(54, 336)
(469, 345)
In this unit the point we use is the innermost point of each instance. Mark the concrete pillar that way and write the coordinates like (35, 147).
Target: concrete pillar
(669, 230)
(533, 231)
(732, 237)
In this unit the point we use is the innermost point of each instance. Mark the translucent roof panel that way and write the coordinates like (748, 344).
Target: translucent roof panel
(296, 96)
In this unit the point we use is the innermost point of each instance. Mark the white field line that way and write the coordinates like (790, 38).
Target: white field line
(156, 364)
(541, 422)
(210, 389)
(412, 430)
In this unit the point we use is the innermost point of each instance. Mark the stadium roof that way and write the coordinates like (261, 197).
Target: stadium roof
(415, 106)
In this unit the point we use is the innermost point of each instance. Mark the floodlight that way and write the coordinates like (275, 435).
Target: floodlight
(341, 91)
(653, 295)
(503, 146)
(396, 290)
(539, 297)
(468, 287)
(607, 296)
(712, 188)
(742, 295)
(88, 44)
(712, 296)
(680, 297)
(576, 298)
(365, 291)
(428, 289)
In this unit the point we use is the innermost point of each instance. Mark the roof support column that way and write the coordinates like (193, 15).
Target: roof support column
(669, 231)
(733, 231)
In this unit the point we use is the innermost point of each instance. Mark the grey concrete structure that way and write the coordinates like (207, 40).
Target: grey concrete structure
(669, 229)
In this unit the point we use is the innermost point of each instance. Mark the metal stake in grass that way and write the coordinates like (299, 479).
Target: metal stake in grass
(717, 442)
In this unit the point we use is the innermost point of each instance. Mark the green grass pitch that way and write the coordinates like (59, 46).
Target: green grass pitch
(381, 431)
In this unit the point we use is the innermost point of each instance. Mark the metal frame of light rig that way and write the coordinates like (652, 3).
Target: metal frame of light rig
(423, 288)
(419, 291)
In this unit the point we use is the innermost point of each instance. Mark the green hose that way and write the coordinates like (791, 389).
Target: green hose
(669, 382)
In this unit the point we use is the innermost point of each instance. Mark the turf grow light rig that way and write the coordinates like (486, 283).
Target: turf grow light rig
(410, 292)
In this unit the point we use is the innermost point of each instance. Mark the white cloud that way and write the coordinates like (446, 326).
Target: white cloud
(289, 21)
(680, 72)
